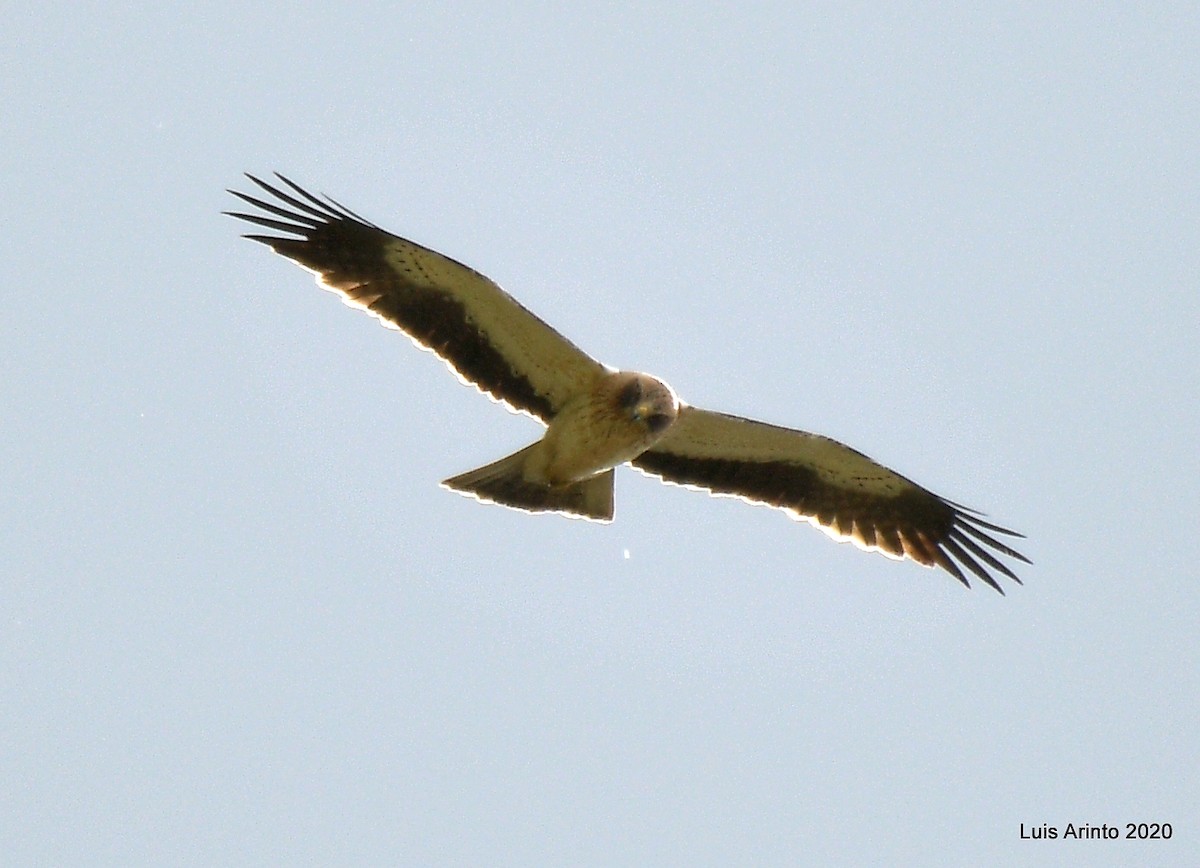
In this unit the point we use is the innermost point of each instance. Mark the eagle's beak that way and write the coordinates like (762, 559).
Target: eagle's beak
(643, 410)
(652, 416)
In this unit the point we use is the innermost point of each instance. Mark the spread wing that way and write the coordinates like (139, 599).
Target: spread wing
(482, 332)
(835, 488)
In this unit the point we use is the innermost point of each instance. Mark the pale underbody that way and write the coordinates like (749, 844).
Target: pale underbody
(570, 470)
(601, 429)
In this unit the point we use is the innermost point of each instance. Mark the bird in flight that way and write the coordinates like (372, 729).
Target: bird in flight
(597, 418)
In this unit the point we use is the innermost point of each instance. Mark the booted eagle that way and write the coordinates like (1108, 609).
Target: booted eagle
(597, 418)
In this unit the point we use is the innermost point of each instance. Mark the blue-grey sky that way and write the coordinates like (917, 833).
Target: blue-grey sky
(243, 625)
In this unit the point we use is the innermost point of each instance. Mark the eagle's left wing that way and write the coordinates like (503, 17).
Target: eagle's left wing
(481, 332)
(830, 485)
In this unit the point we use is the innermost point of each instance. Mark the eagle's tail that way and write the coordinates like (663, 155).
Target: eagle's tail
(503, 482)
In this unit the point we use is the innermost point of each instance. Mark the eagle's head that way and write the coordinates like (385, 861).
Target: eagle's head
(647, 401)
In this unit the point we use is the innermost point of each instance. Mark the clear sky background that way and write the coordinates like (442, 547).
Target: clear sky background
(241, 624)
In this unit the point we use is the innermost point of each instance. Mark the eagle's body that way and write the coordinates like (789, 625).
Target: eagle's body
(598, 418)
(615, 422)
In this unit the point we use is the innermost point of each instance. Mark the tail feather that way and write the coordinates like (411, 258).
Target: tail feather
(503, 482)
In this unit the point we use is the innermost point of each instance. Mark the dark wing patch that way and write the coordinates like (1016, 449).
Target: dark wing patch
(859, 501)
(484, 334)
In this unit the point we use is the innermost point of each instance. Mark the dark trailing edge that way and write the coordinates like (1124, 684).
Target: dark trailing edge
(929, 529)
(349, 254)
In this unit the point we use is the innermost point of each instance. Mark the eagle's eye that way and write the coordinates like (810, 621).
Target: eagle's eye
(631, 393)
(657, 422)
